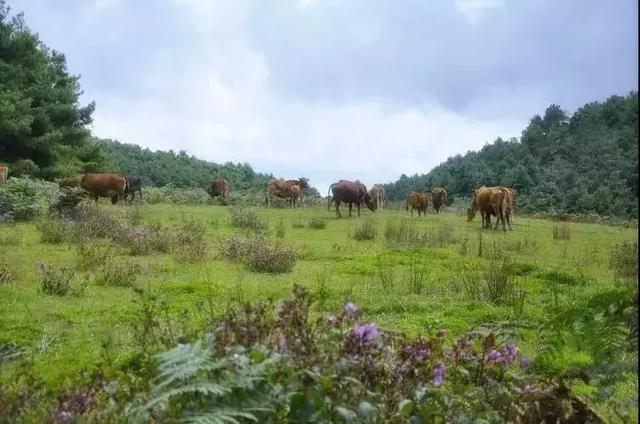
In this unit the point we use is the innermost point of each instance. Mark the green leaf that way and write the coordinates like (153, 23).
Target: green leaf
(367, 410)
(405, 407)
(347, 414)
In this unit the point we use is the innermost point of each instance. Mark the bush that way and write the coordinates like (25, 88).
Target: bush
(6, 275)
(10, 236)
(53, 231)
(561, 232)
(317, 223)
(54, 282)
(117, 272)
(93, 254)
(623, 259)
(25, 198)
(148, 239)
(67, 201)
(190, 244)
(269, 259)
(176, 195)
(366, 230)
(247, 219)
(297, 224)
(236, 248)
(91, 222)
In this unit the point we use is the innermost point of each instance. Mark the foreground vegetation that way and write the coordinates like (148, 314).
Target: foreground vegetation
(89, 296)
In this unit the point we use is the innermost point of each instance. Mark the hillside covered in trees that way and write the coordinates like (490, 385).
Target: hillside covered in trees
(583, 163)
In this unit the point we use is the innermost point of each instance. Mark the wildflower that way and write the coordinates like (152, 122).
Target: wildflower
(417, 351)
(442, 332)
(438, 374)
(350, 310)
(524, 362)
(494, 356)
(366, 333)
(333, 320)
(510, 353)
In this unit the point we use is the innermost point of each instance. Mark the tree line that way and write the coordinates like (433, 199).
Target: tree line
(583, 163)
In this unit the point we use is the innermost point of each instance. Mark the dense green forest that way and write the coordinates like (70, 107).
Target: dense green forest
(583, 163)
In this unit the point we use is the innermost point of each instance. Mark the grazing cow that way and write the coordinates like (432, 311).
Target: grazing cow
(418, 201)
(303, 183)
(491, 201)
(350, 192)
(4, 171)
(379, 196)
(134, 184)
(113, 186)
(219, 188)
(290, 190)
(439, 198)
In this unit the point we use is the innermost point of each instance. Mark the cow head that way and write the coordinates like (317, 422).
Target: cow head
(304, 182)
(368, 200)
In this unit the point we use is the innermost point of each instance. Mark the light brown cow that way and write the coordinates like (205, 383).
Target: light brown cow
(219, 188)
(113, 186)
(4, 171)
(290, 190)
(439, 198)
(418, 201)
(491, 201)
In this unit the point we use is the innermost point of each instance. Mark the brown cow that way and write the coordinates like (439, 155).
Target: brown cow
(350, 192)
(418, 201)
(289, 189)
(113, 186)
(491, 201)
(439, 198)
(301, 182)
(4, 171)
(219, 188)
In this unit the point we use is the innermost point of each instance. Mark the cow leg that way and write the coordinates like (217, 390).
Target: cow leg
(337, 202)
(350, 209)
(358, 206)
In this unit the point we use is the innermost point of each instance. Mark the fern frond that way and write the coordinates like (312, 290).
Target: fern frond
(201, 387)
(220, 416)
(183, 362)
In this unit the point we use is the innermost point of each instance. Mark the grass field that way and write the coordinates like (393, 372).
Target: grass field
(404, 288)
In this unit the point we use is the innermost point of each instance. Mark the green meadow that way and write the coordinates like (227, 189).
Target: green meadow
(406, 285)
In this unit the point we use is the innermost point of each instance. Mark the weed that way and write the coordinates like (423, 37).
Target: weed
(322, 292)
(269, 259)
(280, 230)
(492, 280)
(416, 275)
(236, 248)
(317, 223)
(54, 282)
(440, 236)
(148, 239)
(53, 231)
(6, 275)
(297, 224)
(67, 202)
(93, 254)
(11, 238)
(133, 214)
(247, 219)
(191, 245)
(401, 233)
(117, 272)
(385, 274)
(623, 259)
(561, 232)
(365, 230)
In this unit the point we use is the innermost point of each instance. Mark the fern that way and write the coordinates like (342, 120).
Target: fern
(183, 362)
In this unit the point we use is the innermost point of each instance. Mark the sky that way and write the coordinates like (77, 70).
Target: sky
(331, 89)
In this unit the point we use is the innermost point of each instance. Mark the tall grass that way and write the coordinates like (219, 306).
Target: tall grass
(365, 230)
(623, 259)
(561, 232)
(492, 280)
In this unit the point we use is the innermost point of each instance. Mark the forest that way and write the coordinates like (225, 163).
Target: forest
(584, 163)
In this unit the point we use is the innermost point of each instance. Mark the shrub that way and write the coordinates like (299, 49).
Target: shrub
(53, 231)
(25, 198)
(117, 272)
(269, 259)
(317, 223)
(247, 219)
(297, 224)
(10, 236)
(561, 232)
(366, 230)
(92, 222)
(148, 239)
(67, 201)
(236, 248)
(176, 195)
(6, 275)
(190, 243)
(93, 254)
(54, 282)
(623, 259)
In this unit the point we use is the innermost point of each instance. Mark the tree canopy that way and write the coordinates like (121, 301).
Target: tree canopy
(42, 123)
(584, 163)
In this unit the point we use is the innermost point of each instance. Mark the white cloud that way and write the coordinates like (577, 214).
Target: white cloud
(475, 10)
(218, 104)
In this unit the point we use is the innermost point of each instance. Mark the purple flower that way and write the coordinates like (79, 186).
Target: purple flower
(366, 333)
(333, 320)
(524, 362)
(418, 351)
(442, 332)
(350, 309)
(494, 356)
(438, 374)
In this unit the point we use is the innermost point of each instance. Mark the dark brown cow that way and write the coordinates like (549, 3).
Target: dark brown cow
(491, 201)
(219, 188)
(4, 171)
(289, 189)
(350, 192)
(439, 198)
(113, 186)
(418, 201)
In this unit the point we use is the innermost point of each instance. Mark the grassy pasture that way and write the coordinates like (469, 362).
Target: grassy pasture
(403, 288)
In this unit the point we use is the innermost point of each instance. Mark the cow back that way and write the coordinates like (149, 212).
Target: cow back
(104, 184)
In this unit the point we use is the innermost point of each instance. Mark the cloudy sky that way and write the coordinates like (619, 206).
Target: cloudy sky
(333, 89)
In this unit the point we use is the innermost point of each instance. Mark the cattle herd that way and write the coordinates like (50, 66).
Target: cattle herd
(497, 201)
